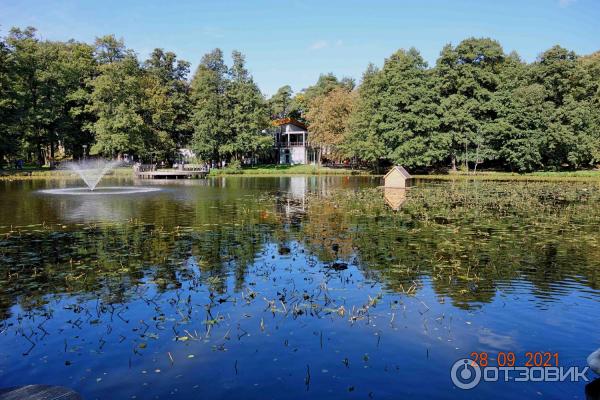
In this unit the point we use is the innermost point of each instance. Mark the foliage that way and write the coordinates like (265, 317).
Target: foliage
(284, 169)
(229, 111)
(9, 143)
(209, 117)
(325, 84)
(477, 105)
(281, 104)
(328, 119)
(398, 114)
(171, 74)
(249, 114)
(46, 80)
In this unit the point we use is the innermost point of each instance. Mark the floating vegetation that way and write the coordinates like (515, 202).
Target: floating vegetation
(329, 292)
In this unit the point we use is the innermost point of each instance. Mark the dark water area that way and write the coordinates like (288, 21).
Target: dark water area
(295, 287)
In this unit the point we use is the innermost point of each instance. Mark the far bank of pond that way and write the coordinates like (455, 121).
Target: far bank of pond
(286, 170)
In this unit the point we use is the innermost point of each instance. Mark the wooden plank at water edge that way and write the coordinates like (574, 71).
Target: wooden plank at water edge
(39, 392)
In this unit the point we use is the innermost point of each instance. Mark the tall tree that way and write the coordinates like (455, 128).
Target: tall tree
(328, 118)
(362, 140)
(249, 114)
(28, 59)
(210, 109)
(48, 76)
(409, 112)
(468, 77)
(9, 139)
(109, 49)
(325, 84)
(572, 137)
(171, 74)
(280, 104)
(115, 101)
(132, 107)
(523, 117)
(80, 67)
(398, 114)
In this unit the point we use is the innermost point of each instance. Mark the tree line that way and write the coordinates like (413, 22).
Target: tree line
(476, 105)
(100, 99)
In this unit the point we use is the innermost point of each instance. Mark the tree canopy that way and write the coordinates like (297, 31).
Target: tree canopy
(477, 105)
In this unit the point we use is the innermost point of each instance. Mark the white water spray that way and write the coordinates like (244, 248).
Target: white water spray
(92, 171)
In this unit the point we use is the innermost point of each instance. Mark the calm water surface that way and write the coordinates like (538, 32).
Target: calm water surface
(295, 287)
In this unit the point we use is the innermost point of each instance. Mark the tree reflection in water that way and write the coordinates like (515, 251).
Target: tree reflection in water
(328, 256)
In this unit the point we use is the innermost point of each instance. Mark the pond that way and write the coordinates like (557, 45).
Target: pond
(295, 287)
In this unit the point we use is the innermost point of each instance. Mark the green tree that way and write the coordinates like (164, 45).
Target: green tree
(132, 107)
(409, 112)
(572, 137)
(29, 88)
(171, 74)
(249, 114)
(468, 78)
(47, 80)
(115, 101)
(523, 117)
(209, 106)
(362, 141)
(74, 66)
(523, 128)
(280, 104)
(328, 118)
(109, 49)
(397, 117)
(325, 84)
(9, 138)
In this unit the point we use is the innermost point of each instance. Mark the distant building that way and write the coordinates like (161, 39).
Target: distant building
(397, 177)
(291, 142)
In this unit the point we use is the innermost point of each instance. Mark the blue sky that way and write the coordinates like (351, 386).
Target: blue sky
(292, 42)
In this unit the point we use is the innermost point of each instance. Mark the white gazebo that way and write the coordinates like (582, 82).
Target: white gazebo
(291, 141)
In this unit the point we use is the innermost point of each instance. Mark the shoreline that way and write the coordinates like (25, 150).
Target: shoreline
(304, 170)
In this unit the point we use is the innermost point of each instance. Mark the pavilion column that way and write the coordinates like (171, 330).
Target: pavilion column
(304, 145)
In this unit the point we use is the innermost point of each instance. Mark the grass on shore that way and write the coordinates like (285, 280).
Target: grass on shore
(279, 170)
(286, 170)
(46, 173)
(541, 176)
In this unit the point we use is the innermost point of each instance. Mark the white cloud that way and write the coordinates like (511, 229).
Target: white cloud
(323, 44)
(211, 31)
(565, 3)
(319, 44)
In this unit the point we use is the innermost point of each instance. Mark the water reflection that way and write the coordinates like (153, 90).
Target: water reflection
(394, 197)
(242, 272)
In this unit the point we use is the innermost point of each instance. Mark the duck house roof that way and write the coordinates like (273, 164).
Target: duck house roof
(399, 169)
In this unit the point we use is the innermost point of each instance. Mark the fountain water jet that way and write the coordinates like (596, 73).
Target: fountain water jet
(92, 171)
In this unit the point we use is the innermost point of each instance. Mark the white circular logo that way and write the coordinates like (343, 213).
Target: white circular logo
(465, 374)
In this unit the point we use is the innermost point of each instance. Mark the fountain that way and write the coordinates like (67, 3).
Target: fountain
(91, 172)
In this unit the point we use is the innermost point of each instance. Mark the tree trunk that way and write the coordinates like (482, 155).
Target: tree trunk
(40, 155)
(453, 163)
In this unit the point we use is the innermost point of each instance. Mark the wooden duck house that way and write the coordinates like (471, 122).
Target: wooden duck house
(397, 177)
